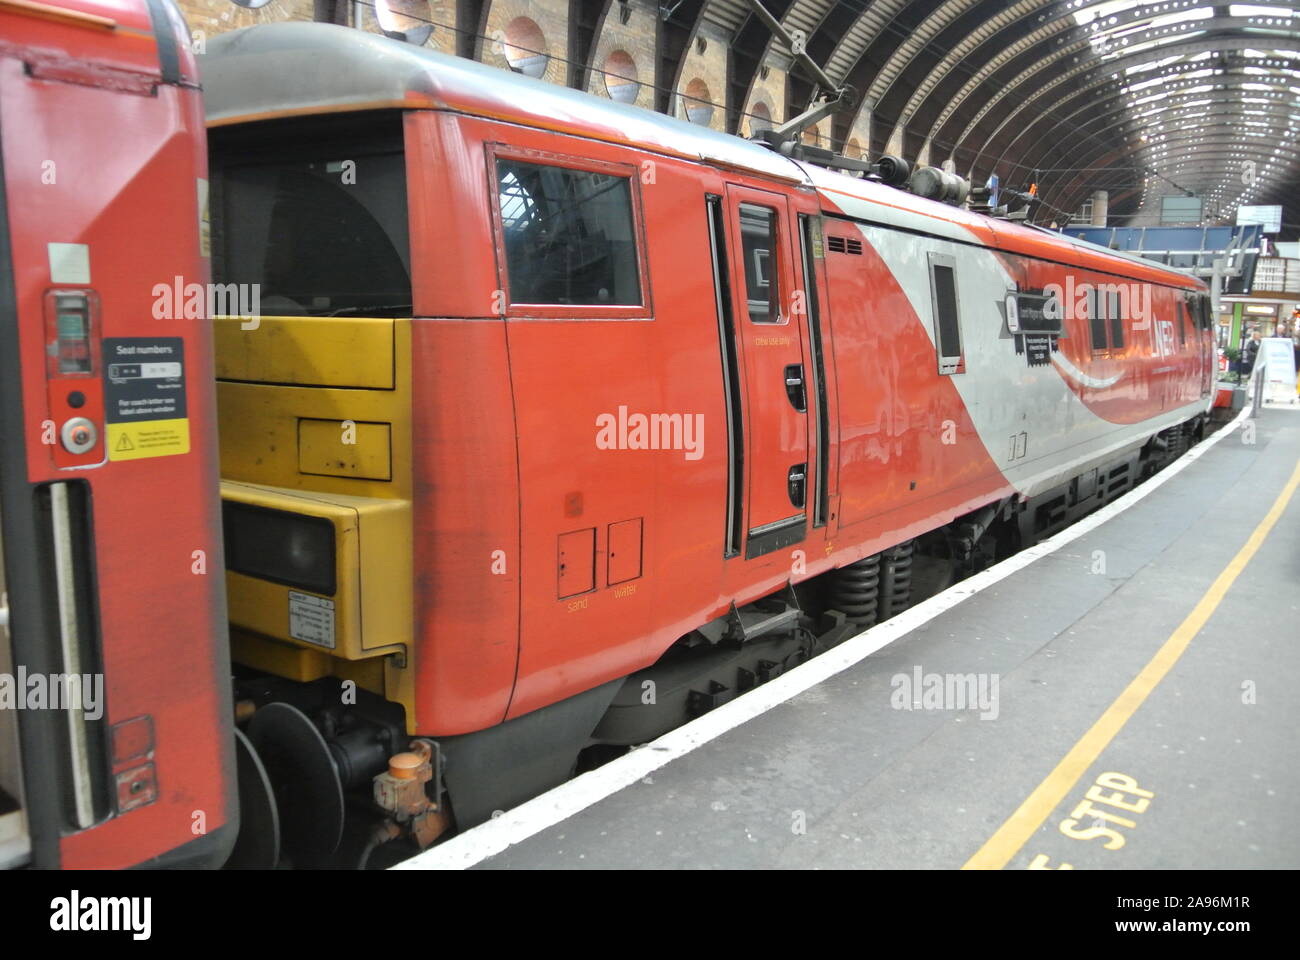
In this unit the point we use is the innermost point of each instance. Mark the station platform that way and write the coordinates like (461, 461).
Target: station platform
(1134, 684)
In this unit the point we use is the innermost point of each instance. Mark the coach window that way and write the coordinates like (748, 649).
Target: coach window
(569, 235)
(758, 244)
(947, 324)
(1097, 318)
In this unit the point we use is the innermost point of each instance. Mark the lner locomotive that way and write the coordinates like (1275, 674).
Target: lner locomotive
(563, 421)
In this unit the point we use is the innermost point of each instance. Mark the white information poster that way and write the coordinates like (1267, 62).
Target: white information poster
(1278, 357)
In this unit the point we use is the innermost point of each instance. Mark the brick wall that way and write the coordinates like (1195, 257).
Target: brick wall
(703, 69)
(861, 133)
(769, 91)
(636, 38)
(551, 17)
(207, 18)
(409, 14)
(704, 74)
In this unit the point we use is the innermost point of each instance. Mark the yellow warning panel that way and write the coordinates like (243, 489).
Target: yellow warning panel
(149, 438)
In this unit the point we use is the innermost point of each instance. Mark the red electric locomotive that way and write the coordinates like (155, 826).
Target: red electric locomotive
(115, 727)
(565, 421)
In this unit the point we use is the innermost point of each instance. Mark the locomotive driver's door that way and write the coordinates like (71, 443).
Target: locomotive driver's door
(770, 318)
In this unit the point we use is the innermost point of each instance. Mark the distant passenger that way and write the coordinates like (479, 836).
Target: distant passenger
(1251, 352)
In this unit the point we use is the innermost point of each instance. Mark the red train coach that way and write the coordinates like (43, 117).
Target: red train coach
(115, 728)
(634, 406)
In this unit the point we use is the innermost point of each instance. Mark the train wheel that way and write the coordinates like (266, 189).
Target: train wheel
(308, 791)
(258, 846)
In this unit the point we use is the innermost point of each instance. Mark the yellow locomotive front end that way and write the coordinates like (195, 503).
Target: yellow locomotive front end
(313, 366)
(315, 457)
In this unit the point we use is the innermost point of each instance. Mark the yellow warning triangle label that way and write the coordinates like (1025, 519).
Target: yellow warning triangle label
(151, 438)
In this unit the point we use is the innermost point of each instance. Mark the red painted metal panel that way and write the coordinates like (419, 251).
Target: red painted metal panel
(89, 161)
(577, 563)
(624, 561)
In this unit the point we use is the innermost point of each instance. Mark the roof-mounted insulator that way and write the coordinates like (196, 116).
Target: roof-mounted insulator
(935, 184)
(890, 170)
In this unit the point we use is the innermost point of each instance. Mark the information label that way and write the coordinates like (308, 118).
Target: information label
(311, 619)
(1038, 349)
(144, 397)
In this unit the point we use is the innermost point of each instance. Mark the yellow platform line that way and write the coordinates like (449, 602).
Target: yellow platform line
(1038, 806)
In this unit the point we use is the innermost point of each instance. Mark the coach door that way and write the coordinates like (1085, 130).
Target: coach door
(768, 313)
(1203, 324)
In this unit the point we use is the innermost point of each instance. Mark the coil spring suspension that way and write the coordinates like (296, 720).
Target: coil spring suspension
(855, 590)
(876, 587)
(1178, 443)
(895, 580)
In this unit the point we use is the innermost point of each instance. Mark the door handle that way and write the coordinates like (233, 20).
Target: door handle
(796, 485)
(794, 388)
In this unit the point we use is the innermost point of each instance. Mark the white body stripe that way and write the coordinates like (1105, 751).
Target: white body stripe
(1003, 395)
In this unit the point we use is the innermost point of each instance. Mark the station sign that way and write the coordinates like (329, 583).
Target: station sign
(1269, 217)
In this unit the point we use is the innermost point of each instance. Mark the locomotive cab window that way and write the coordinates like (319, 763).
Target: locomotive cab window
(568, 235)
(947, 324)
(318, 224)
(758, 239)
